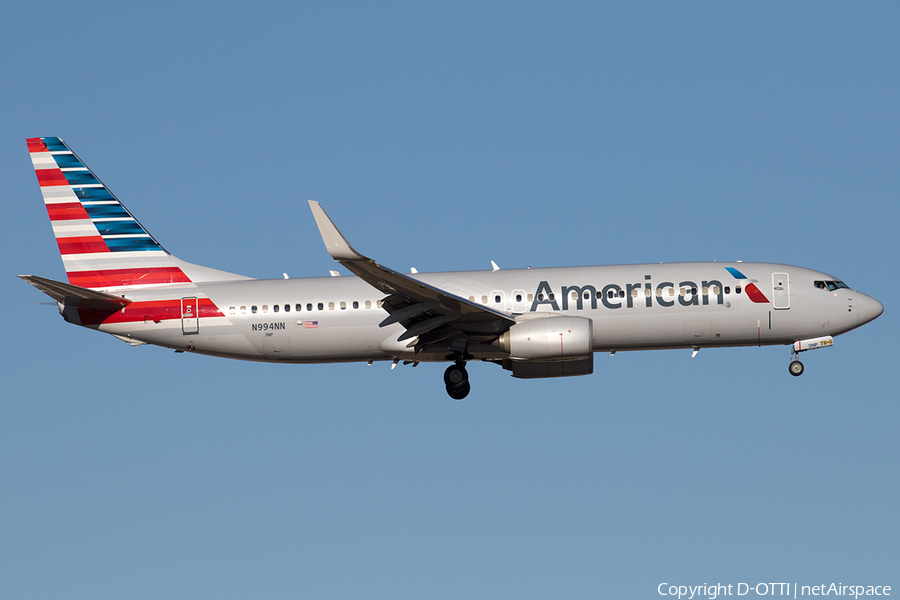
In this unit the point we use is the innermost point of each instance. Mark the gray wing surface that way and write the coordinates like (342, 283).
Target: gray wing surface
(439, 320)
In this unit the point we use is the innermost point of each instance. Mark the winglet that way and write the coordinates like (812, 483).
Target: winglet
(335, 243)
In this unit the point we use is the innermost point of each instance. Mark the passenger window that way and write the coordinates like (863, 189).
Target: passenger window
(368, 304)
(355, 304)
(658, 293)
(599, 295)
(331, 306)
(287, 308)
(715, 290)
(552, 296)
(518, 297)
(496, 299)
(727, 290)
(253, 309)
(484, 299)
(230, 310)
(243, 310)
(274, 308)
(320, 306)
(693, 291)
(621, 293)
(379, 303)
(634, 292)
(309, 306)
(540, 297)
(530, 297)
(681, 292)
(265, 308)
(737, 289)
(587, 295)
(471, 298)
(647, 293)
(705, 291)
(343, 306)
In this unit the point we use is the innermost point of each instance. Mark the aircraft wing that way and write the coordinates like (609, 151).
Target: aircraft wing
(437, 317)
(78, 297)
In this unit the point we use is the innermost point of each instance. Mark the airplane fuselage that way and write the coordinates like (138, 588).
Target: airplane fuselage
(633, 307)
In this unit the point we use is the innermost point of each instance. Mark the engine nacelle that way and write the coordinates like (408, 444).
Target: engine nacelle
(549, 339)
(539, 369)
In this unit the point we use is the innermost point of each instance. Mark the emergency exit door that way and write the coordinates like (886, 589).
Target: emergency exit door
(190, 317)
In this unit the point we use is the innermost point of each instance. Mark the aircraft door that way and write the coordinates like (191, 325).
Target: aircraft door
(190, 321)
(519, 302)
(497, 301)
(781, 291)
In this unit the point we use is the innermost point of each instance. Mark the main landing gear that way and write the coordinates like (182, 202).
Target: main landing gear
(456, 378)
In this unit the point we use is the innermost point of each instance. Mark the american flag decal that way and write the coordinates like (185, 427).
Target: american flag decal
(311, 324)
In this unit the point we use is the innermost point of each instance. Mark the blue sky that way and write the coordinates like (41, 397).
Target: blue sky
(442, 137)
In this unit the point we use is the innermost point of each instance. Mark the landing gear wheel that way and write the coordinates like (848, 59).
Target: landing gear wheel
(796, 368)
(459, 392)
(457, 381)
(455, 374)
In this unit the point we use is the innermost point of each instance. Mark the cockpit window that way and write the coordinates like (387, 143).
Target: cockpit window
(831, 285)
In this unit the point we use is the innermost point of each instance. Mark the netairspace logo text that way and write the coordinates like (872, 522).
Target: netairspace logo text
(794, 590)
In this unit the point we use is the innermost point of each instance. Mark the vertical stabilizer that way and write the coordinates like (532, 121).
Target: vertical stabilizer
(101, 243)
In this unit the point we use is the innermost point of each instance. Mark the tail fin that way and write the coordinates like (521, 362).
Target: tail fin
(101, 243)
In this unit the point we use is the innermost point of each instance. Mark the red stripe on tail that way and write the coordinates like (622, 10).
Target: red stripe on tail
(120, 277)
(66, 211)
(48, 177)
(36, 145)
(81, 245)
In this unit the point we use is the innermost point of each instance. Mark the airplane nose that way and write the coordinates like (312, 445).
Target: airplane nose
(868, 308)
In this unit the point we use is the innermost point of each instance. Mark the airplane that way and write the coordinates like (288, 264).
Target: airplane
(535, 323)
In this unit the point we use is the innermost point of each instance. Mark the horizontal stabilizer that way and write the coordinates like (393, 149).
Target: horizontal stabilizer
(77, 297)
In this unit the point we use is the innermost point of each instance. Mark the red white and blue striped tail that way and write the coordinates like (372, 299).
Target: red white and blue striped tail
(102, 245)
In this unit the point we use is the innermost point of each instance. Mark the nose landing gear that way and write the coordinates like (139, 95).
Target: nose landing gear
(456, 378)
(796, 367)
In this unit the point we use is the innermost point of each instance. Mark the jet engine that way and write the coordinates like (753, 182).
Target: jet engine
(549, 338)
(549, 347)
